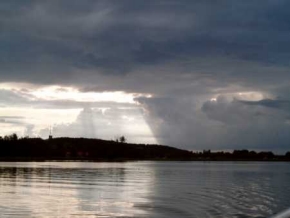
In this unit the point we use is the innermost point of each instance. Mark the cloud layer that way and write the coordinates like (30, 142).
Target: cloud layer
(217, 71)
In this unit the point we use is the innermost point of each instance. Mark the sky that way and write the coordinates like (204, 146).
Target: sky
(194, 74)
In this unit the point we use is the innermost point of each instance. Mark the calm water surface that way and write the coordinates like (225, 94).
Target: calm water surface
(144, 189)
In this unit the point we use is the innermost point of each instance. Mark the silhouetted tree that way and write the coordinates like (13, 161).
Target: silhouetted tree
(12, 137)
(123, 139)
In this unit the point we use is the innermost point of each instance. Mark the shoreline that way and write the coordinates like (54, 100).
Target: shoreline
(135, 160)
(97, 150)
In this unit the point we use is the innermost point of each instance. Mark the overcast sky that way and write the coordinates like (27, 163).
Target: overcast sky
(196, 74)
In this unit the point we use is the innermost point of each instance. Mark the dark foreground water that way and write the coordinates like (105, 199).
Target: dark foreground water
(144, 189)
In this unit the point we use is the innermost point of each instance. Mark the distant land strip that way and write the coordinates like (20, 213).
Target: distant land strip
(82, 149)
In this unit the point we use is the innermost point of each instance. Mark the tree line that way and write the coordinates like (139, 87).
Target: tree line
(14, 148)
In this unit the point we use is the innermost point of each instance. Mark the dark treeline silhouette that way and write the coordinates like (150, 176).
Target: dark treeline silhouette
(13, 148)
(242, 155)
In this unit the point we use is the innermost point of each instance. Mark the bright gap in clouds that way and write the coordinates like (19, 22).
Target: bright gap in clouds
(125, 117)
(69, 93)
(242, 96)
(18, 119)
(55, 92)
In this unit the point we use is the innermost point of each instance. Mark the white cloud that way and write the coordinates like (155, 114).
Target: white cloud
(114, 122)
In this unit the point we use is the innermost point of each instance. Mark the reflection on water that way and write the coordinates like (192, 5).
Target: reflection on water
(143, 189)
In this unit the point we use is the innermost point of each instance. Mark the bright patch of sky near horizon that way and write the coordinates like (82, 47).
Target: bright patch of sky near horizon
(67, 122)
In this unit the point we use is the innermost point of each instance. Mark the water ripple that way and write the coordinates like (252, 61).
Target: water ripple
(144, 189)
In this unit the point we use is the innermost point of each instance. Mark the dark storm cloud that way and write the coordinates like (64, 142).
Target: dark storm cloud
(54, 41)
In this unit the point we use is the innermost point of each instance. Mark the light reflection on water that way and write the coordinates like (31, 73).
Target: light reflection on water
(143, 189)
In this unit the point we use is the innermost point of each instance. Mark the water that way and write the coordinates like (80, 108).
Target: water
(144, 189)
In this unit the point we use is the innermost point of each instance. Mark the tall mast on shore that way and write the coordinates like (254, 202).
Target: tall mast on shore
(50, 133)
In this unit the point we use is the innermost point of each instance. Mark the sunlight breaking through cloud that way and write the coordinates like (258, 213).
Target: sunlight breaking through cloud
(50, 93)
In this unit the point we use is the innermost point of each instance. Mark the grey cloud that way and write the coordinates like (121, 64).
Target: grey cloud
(270, 103)
(14, 120)
(8, 97)
(237, 112)
(221, 124)
(256, 123)
(178, 122)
